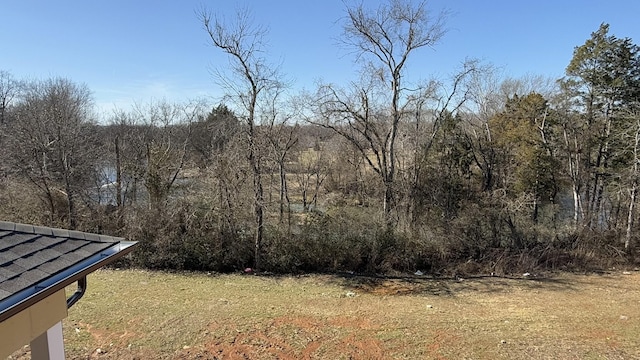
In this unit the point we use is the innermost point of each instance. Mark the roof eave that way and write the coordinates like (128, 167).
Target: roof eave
(27, 297)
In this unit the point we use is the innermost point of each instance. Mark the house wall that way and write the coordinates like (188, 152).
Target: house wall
(23, 327)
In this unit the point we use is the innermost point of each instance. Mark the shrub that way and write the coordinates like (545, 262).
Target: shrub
(188, 238)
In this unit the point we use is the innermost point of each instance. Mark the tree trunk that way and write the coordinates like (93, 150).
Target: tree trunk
(628, 245)
(305, 206)
(259, 217)
(71, 209)
(576, 205)
(314, 199)
(573, 163)
(388, 204)
(283, 188)
(118, 173)
(258, 189)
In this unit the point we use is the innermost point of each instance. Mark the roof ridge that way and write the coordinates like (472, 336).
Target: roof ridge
(51, 231)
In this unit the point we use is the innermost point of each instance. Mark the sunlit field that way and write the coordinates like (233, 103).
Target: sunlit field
(132, 314)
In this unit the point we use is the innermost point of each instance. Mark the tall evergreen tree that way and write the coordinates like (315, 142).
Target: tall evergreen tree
(523, 134)
(603, 81)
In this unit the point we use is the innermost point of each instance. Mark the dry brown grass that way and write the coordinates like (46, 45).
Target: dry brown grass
(151, 315)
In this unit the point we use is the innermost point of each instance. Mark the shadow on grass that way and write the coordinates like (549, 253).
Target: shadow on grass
(425, 285)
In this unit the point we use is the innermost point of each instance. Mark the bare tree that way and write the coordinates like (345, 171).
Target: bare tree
(281, 132)
(312, 171)
(9, 90)
(127, 138)
(251, 81)
(120, 123)
(52, 140)
(282, 138)
(369, 116)
(165, 138)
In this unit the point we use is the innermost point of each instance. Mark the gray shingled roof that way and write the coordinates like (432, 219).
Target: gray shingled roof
(37, 259)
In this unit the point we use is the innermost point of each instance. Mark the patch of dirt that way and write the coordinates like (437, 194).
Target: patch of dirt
(391, 287)
(441, 339)
(293, 338)
(105, 337)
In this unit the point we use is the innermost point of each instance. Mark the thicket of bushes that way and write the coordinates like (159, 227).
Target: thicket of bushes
(189, 234)
(350, 239)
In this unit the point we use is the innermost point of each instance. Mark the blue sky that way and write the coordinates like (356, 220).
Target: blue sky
(130, 51)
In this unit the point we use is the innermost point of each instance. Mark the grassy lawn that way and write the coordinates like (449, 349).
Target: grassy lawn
(134, 314)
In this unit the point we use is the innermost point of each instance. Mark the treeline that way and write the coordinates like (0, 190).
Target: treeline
(476, 174)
